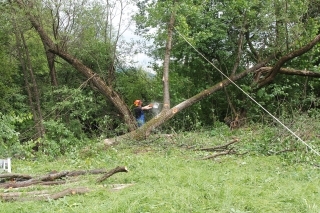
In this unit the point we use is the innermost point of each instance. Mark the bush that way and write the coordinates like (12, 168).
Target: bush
(8, 135)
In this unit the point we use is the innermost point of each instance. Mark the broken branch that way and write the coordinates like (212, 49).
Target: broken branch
(220, 147)
(42, 195)
(112, 172)
(219, 154)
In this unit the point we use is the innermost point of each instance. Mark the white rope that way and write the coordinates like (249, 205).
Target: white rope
(287, 128)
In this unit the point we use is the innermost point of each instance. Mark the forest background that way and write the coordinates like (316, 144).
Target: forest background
(67, 74)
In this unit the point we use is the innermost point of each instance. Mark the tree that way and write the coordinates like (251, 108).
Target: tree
(59, 49)
(30, 83)
(255, 42)
(265, 49)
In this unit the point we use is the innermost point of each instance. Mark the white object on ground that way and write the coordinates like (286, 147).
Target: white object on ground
(5, 164)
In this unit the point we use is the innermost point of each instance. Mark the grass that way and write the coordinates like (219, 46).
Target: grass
(167, 176)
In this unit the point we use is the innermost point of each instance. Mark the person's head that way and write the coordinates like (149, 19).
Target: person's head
(137, 102)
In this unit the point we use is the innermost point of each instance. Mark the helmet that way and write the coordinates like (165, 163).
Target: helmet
(137, 102)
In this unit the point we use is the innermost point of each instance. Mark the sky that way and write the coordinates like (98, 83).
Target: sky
(128, 35)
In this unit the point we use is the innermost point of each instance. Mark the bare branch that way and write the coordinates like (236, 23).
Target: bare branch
(288, 71)
(219, 154)
(275, 69)
(220, 147)
(112, 172)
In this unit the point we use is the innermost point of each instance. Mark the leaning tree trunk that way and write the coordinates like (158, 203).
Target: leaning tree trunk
(164, 116)
(106, 90)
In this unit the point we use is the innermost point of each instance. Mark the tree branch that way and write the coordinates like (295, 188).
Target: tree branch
(112, 172)
(220, 147)
(230, 151)
(275, 69)
(289, 71)
(42, 195)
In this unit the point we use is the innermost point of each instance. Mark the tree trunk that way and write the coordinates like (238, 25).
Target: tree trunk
(164, 116)
(30, 82)
(106, 90)
(166, 62)
(35, 92)
(52, 67)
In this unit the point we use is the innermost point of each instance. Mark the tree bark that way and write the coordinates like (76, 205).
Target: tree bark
(166, 62)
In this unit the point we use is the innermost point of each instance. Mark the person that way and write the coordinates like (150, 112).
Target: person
(139, 111)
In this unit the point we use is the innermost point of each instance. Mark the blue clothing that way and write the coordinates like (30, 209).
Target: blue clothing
(139, 114)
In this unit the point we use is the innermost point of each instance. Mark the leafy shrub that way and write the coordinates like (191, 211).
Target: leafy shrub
(58, 139)
(8, 135)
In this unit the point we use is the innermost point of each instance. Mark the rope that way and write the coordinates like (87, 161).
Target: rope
(264, 109)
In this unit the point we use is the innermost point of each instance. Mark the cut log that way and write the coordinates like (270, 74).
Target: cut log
(53, 176)
(65, 192)
(11, 176)
(13, 184)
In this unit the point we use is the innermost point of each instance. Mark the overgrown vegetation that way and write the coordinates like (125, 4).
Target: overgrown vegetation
(54, 114)
(47, 102)
(166, 174)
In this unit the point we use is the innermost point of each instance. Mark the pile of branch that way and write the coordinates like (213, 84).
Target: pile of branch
(11, 180)
(220, 150)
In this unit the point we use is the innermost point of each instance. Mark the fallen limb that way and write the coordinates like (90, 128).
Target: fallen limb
(15, 195)
(220, 147)
(11, 176)
(54, 178)
(13, 184)
(112, 172)
(219, 154)
(68, 192)
(42, 195)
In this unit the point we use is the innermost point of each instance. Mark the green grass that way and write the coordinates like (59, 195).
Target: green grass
(168, 177)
